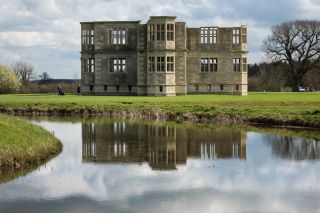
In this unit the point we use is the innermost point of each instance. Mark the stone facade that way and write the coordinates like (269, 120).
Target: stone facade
(162, 58)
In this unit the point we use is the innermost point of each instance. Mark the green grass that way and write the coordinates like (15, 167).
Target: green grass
(24, 145)
(298, 109)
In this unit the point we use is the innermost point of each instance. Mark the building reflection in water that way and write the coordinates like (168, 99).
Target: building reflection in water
(162, 146)
(293, 148)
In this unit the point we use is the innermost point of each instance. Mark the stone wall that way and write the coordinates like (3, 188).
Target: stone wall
(224, 79)
(186, 48)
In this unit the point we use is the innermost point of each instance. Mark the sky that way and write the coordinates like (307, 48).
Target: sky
(46, 33)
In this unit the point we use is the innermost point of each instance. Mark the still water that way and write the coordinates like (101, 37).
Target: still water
(134, 166)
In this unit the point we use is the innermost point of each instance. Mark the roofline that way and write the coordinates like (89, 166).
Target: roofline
(106, 22)
(174, 17)
(241, 26)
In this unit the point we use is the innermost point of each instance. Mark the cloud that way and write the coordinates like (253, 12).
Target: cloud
(27, 25)
(28, 39)
(9, 55)
(311, 8)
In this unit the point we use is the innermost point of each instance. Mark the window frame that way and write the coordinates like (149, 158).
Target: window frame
(83, 36)
(170, 32)
(117, 65)
(151, 32)
(87, 36)
(208, 35)
(208, 65)
(161, 64)
(160, 29)
(236, 36)
(244, 65)
(170, 64)
(118, 37)
(244, 35)
(89, 65)
(91, 37)
(151, 64)
(237, 64)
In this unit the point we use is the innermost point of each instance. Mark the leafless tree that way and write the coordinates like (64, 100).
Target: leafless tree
(76, 78)
(24, 71)
(44, 76)
(296, 43)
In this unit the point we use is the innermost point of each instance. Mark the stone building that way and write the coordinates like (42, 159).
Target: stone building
(162, 57)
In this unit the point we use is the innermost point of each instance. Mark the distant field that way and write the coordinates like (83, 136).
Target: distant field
(300, 109)
(251, 99)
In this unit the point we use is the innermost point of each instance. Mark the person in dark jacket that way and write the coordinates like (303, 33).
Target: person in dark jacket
(60, 92)
(78, 89)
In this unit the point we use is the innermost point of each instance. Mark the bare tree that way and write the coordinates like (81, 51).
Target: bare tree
(76, 78)
(24, 71)
(296, 43)
(44, 76)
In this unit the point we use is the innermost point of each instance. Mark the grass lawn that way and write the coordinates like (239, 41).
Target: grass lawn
(298, 109)
(24, 145)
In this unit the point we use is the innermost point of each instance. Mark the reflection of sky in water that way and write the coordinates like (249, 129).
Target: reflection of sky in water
(262, 182)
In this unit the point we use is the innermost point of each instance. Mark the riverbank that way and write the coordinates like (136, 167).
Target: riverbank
(24, 145)
(284, 109)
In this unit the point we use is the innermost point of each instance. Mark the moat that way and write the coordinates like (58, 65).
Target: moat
(138, 166)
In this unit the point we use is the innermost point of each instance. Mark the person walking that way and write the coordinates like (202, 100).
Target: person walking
(78, 89)
(59, 88)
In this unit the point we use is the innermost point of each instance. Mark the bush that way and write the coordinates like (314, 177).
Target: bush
(9, 83)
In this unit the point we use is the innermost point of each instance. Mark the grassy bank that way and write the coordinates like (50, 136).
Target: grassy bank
(24, 145)
(294, 109)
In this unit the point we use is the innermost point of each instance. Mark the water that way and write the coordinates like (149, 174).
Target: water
(132, 166)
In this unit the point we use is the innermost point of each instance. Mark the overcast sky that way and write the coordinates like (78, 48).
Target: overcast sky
(47, 32)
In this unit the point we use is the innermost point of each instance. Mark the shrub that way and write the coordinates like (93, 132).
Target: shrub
(9, 82)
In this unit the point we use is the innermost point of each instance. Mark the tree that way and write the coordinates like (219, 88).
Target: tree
(253, 69)
(24, 71)
(267, 77)
(8, 80)
(296, 43)
(44, 76)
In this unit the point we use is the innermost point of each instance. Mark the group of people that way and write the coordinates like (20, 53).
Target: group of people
(60, 91)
